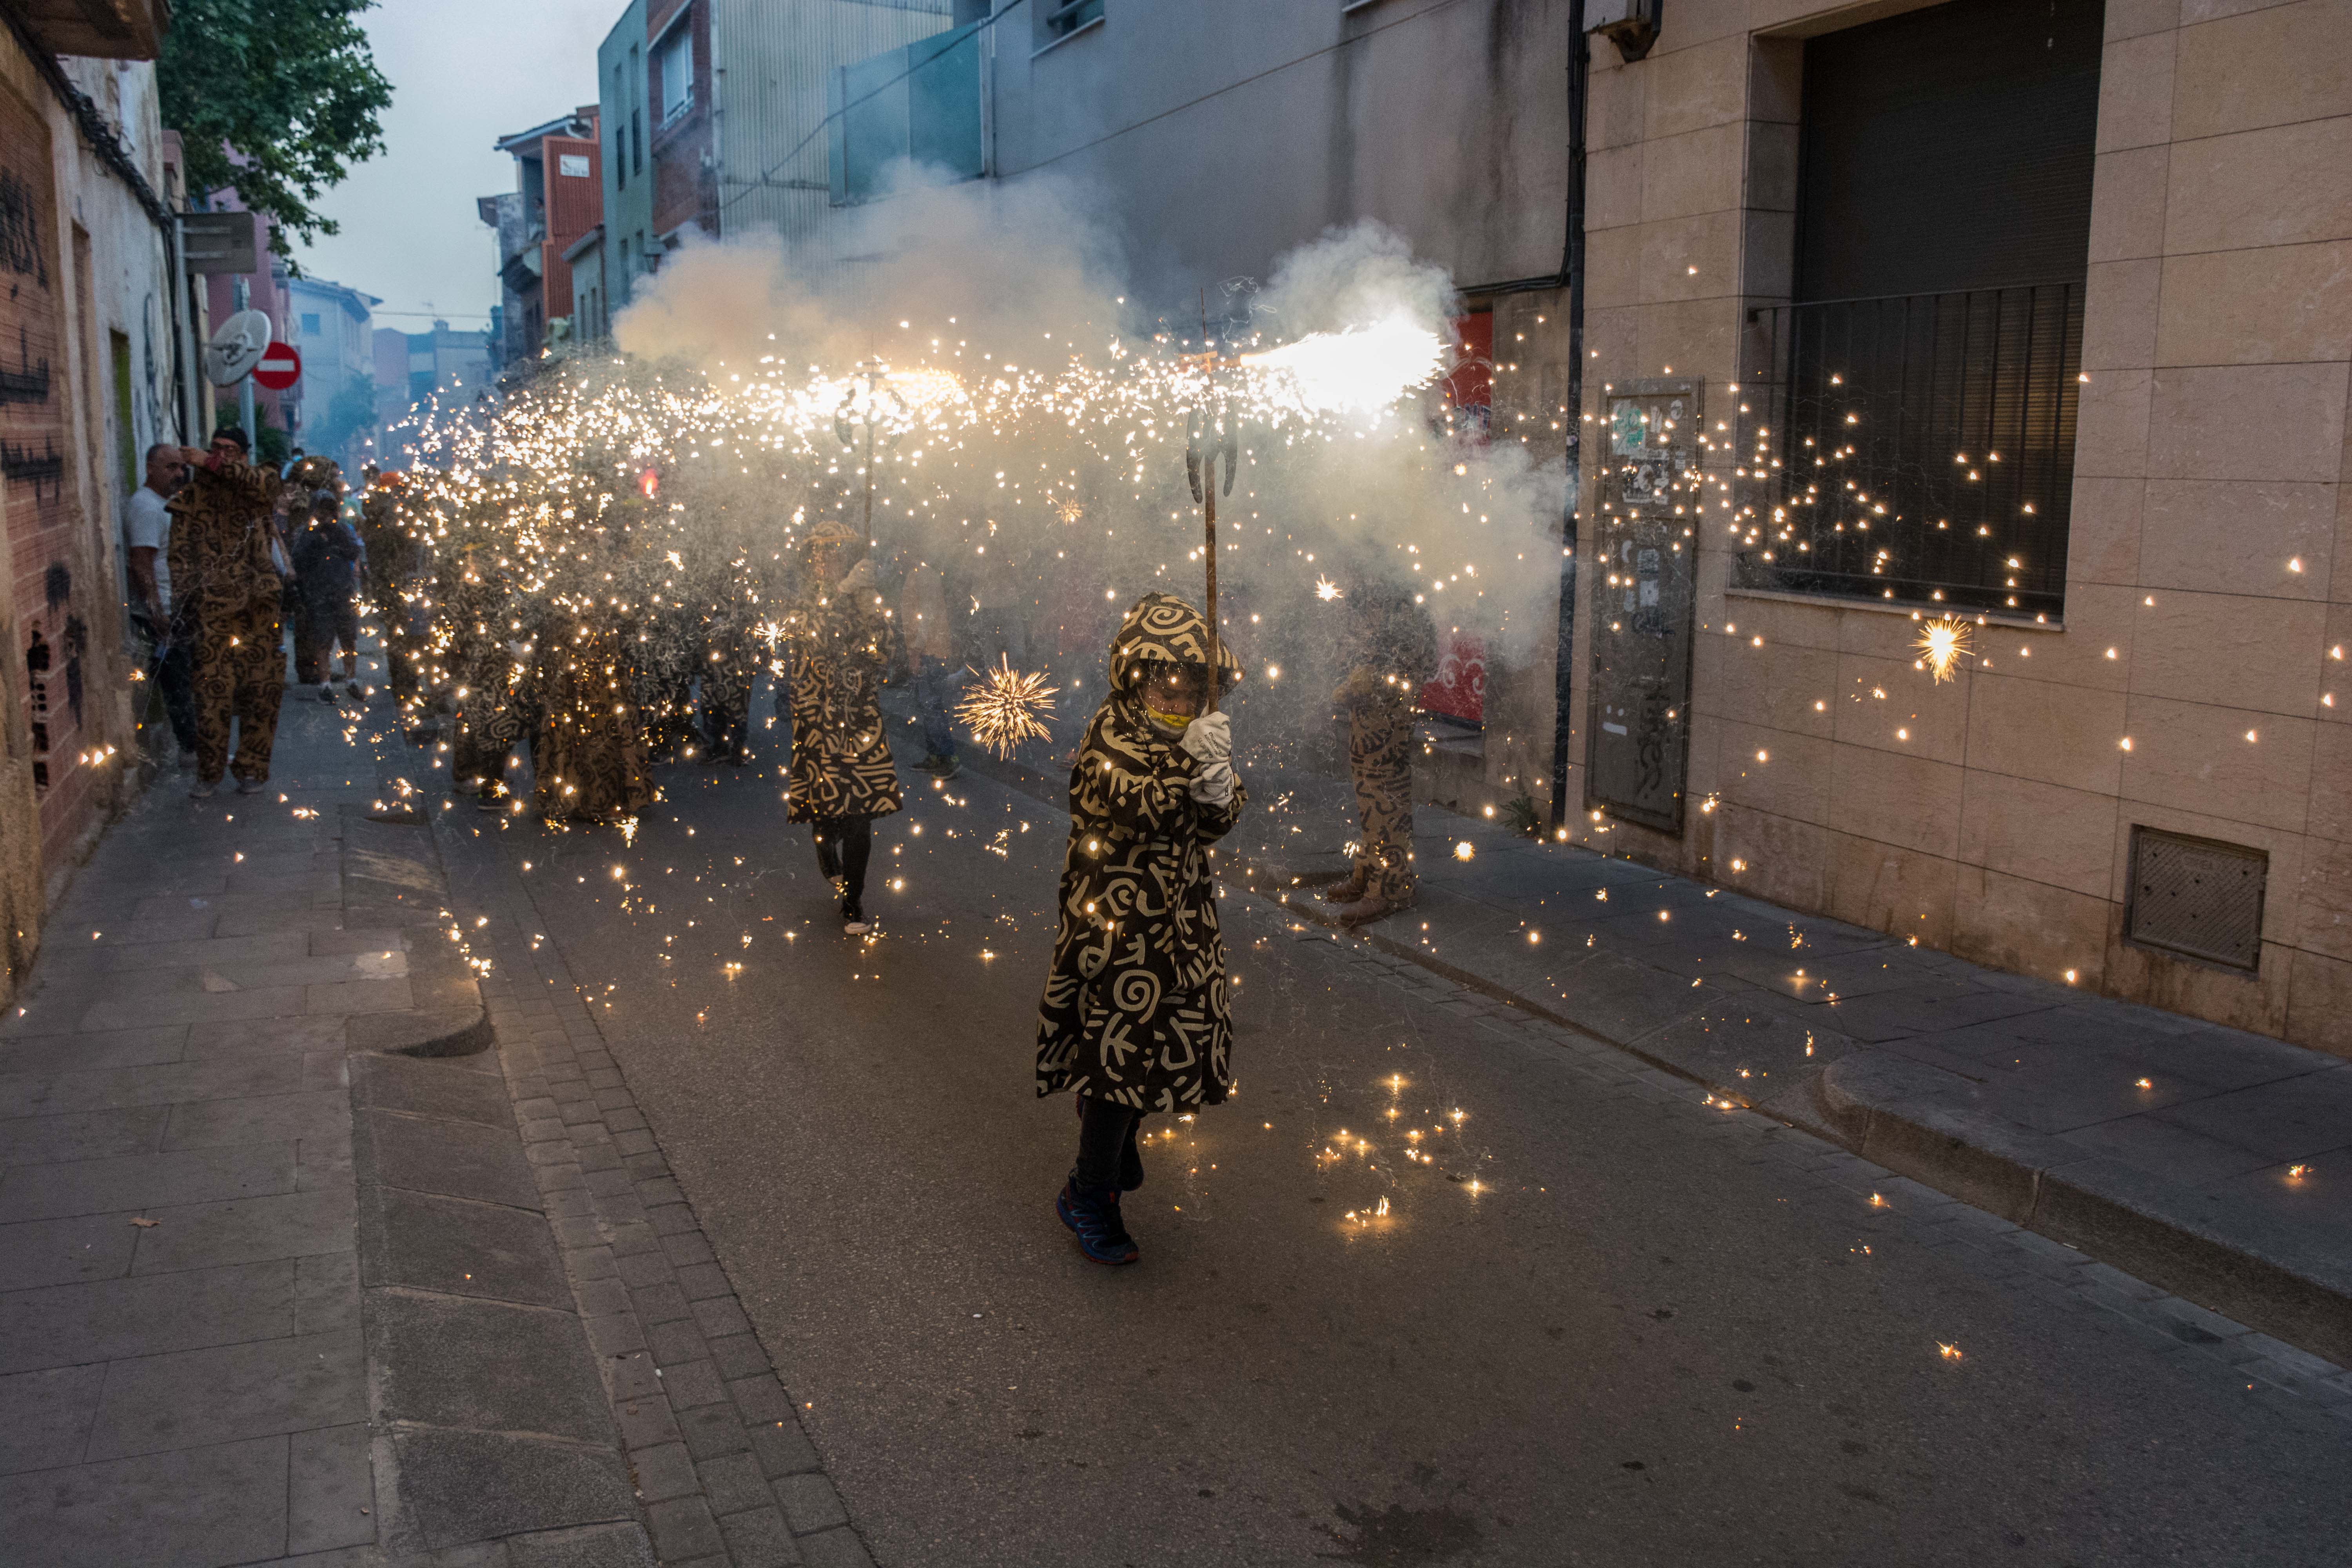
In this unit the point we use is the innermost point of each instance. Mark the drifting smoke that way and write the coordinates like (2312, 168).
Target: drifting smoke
(1006, 264)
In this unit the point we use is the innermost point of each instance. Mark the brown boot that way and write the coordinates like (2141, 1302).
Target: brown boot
(1345, 891)
(1369, 908)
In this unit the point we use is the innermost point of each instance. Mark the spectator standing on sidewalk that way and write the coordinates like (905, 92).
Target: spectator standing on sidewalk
(327, 567)
(1389, 651)
(1134, 1018)
(227, 577)
(931, 660)
(147, 529)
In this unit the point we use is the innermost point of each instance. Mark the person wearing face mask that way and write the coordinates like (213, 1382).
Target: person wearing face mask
(1135, 1019)
(841, 776)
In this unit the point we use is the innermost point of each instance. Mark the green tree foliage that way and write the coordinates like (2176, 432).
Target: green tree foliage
(276, 98)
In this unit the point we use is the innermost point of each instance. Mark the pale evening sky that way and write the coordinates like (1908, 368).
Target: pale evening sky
(464, 73)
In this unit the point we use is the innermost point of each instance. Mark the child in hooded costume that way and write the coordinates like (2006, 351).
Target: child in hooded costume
(842, 776)
(1135, 1017)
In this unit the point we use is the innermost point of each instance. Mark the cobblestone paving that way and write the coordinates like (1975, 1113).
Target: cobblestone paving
(719, 1461)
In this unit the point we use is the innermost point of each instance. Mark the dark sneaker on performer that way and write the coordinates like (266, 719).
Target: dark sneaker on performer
(853, 919)
(1093, 1218)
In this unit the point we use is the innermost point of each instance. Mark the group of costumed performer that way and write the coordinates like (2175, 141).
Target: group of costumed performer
(1136, 1018)
(558, 664)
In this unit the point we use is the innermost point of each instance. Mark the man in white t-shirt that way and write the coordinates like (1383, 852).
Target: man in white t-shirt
(147, 530)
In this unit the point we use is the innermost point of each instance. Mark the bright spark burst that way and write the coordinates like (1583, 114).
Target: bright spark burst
(1942, 643)
(1359, 371)
(1004, 710)
(1327, 590)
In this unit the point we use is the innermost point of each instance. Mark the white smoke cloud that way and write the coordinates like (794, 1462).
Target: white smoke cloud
(1005, 264)
(1078, 518)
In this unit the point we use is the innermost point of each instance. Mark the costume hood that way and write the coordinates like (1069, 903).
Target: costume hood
(1162, 628)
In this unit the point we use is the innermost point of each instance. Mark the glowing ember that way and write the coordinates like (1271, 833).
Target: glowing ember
(1464, 850)
(1327, 590)
(1942, 643)
(1004, 710)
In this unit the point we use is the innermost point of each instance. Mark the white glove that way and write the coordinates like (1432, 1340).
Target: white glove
(858, 576)
(1210, 739)
(1212, 785)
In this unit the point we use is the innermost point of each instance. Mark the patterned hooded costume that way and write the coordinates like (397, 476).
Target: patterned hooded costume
(588, 752)
(227, 603)
(394, 561)
(1135, 1009)
(1391, 654)
(474, 595)
(840, 642)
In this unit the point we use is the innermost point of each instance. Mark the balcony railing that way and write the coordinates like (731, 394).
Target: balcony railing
(1063, 17)
(1919, 448)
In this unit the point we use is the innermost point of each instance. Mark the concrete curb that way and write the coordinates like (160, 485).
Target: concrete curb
(724, 1475)
(1894, 1112)
(392, 877)
(492, 1439)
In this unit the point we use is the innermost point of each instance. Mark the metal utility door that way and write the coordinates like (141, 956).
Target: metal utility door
(1637, 742)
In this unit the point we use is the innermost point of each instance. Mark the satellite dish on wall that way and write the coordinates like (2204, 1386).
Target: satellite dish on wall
(236, 348)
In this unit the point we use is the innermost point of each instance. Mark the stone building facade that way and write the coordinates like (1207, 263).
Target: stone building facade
(93, 352)
(2159, 733)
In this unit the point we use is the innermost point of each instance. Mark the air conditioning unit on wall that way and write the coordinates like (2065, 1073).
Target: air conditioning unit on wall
(1631, 24)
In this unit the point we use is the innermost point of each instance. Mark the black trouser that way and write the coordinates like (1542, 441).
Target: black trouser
(175, 676)
(844, 844)
(1107, 1152)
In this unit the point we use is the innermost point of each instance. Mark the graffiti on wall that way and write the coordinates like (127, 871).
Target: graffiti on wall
(50, 632)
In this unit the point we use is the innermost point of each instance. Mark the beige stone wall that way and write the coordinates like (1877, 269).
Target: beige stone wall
(2208, 601)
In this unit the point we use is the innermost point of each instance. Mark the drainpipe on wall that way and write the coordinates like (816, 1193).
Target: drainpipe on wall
(1580, 67)
(186, 347)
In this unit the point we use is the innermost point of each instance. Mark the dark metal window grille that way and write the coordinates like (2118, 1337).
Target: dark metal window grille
(1919, 448)
(1063, 19)
(2197, 896)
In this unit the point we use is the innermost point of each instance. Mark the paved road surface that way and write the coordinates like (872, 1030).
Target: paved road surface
(1602, 1323)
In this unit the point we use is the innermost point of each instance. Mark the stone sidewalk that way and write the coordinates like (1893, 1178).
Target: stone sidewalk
(2212, 1162)
(276, 1282)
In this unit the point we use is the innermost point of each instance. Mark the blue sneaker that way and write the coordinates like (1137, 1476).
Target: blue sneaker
(1093, 1219)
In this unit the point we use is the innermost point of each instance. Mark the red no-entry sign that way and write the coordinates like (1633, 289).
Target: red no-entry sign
(280, 367)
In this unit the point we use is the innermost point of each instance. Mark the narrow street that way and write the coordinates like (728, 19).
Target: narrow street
(1582, 1318)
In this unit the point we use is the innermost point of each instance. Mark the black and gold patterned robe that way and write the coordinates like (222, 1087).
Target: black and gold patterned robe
(588, 753)
(841, 759)
(1135, 1009)
(1391, 654)
(475, 596)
